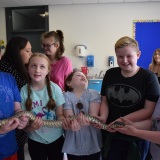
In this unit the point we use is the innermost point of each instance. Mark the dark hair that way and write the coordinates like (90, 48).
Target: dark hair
(13, 57)
(58, 35)
(51, 103)
(68, 79)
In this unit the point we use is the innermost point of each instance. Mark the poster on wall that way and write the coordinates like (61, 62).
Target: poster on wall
(147, 33)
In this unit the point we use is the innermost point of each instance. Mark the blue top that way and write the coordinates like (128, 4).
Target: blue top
(9, 94)
(40, 99)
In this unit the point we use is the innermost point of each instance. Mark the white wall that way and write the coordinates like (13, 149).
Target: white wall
(97, 26)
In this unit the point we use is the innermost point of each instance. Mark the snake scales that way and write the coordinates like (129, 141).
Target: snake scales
(58, 123)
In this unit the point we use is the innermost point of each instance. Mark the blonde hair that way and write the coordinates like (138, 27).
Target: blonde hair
(126, 41)
(51, 103)
(153, 61)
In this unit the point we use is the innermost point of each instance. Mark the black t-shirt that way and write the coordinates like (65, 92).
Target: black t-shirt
(127, 95)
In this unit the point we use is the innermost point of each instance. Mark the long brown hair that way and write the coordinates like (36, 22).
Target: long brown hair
(51, 103)
(13, 57)
(153, 60)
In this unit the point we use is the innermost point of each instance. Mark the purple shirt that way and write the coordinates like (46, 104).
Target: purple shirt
(60, 70)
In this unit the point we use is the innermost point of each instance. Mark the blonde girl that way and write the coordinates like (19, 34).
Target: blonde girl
(44, 99)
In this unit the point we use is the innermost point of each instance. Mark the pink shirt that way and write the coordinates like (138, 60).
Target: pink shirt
(60, 70)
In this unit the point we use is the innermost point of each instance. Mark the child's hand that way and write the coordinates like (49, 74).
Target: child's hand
(83, 120)
(75, 126)
(110, 129)
(37, 123)
(129, 128)
(23, 121)
(66, 123)
(9, 126)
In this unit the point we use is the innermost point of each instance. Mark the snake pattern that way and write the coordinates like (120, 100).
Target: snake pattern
(58, 123)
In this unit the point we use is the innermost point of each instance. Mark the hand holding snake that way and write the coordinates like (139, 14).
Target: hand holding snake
(58, 123)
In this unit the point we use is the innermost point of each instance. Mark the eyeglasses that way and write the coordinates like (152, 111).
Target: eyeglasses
(48, 46)
(79, 105)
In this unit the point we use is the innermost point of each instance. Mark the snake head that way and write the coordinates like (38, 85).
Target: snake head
(117, 124)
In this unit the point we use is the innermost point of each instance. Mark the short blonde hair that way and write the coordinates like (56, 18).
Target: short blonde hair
(126, 41)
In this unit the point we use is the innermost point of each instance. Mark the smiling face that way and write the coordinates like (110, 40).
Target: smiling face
(156, 56)
(38, 68)
(78, 81)
(127, 58)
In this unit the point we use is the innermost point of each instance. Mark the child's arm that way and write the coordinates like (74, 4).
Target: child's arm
(61, 116)
(138, 129)
(94, 109)
(73, 124)
(142, 114)
(103, 109)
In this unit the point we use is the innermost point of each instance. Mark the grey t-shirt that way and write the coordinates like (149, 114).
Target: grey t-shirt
(87, 140)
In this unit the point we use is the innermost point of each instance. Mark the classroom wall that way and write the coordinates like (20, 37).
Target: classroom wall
(98, 26)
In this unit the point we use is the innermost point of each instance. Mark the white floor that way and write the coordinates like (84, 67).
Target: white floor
(27, 157)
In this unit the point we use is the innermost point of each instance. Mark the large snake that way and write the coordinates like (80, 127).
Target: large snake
(58, 123)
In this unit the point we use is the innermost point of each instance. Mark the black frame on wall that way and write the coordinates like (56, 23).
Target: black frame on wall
(30, 22)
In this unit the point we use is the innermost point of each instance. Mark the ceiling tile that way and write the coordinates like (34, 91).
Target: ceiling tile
(85, 1)
(110, 1)
(18, 3)
(9, 3)
(32, 2)
(137, 0)
(56, 2)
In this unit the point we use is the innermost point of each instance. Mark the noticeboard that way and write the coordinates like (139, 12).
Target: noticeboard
(147, 33)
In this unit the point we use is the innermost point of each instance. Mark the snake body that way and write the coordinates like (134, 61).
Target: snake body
(58, 123)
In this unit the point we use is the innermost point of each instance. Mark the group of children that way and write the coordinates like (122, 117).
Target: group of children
(129, 94)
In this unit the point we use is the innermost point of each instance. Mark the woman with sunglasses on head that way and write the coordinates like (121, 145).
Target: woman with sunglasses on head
(61, 66)
(82, 141)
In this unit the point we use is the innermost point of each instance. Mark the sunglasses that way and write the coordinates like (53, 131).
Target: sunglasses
(48, 46)
(79, 105)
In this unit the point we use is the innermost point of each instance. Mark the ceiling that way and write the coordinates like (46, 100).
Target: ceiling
(20, 3)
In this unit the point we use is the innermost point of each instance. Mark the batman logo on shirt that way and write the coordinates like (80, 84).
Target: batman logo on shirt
(123, 95)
